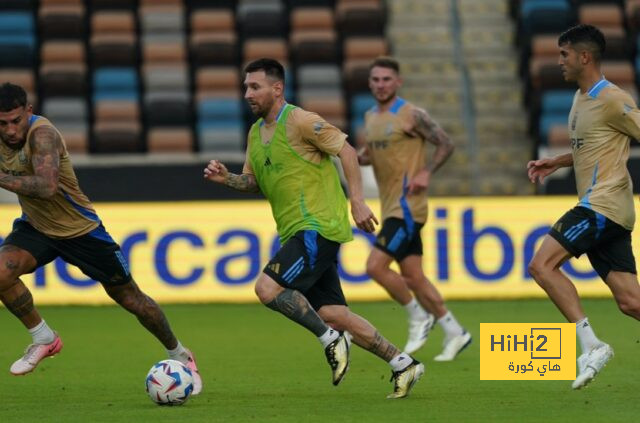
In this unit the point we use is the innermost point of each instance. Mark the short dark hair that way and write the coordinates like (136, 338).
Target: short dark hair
(385, 62)
(12, 96)
(272, 68)
(589, 35)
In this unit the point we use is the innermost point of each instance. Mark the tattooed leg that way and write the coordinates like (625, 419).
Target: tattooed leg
(149, 314)
(19, 301)
(295, 306)
(368, 337)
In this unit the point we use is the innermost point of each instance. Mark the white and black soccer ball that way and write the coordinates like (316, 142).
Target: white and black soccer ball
(169, 382)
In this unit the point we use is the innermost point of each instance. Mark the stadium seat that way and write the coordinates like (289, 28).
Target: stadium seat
(214, 49)
(168, 108)
(165, 77)
(311, 18)
(113, 50)
(214, 110)
(75, 137)
(544, 17)
(115, 84)
(170, 140)
(364, 48)
(161, 20)
(319, 77)
(212, 21)
(214, 81)
(116, 111)
(17, 39)
(113, 22)
(62, 51)
(263, 18)
(70, 116)
(117, 137)
(632, 15)
(558, 136)
(620, 73)
(23, 77)
(221, 137)
(557, 101)
(330, 107)
(63, 109)
(275, 48)
(63, 79)
(356, 76)
(360, 18)
(62, 21)
(314, 46)
(361, 103)
(163, 51)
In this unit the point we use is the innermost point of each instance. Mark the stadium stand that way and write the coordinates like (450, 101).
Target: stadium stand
(548, 96)
(164, 76)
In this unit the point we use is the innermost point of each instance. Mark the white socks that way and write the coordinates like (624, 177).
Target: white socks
(328, 337)
(415, 310)
(450, 325)
(587, 338)
(400, 362)
(42, 334)
(179, 353)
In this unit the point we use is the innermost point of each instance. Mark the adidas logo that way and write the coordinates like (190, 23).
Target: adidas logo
(267, 162)
(274, 267)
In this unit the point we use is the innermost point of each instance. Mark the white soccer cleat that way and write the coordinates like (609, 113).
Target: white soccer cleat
(418, 333)
(337, 354)
(590, 364)
(197, 379)
(453, 346)
(34, 354)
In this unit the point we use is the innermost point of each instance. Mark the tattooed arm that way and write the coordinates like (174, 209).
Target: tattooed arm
(217, 172)
(45, 158)
(428, 129)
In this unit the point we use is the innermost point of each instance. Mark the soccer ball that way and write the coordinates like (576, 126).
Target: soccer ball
(169, 382)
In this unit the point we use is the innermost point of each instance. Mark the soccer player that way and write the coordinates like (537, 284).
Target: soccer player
(288, 160)
(397, 133)
(59, 221)
(601, 120)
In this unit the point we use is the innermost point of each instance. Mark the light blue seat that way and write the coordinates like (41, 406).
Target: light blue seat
(222, 108)
(115, 84)
(549, 120)
(361, 103)
(557, 101)
(16, 23)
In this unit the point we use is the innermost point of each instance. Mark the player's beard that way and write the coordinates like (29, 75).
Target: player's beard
(261, 111)
(386, 99)
(13, 145)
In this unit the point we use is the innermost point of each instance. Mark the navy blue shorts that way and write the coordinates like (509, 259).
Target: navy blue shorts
(308, 262)
(399, 240)
(95, 253)
(607, 244)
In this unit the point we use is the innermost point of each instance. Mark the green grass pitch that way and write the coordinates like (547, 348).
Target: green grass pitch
(258, 366)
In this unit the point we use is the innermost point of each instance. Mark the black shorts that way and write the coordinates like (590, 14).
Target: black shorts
(607, 244)
(308, 262)
(398, 239)
(95, 253)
